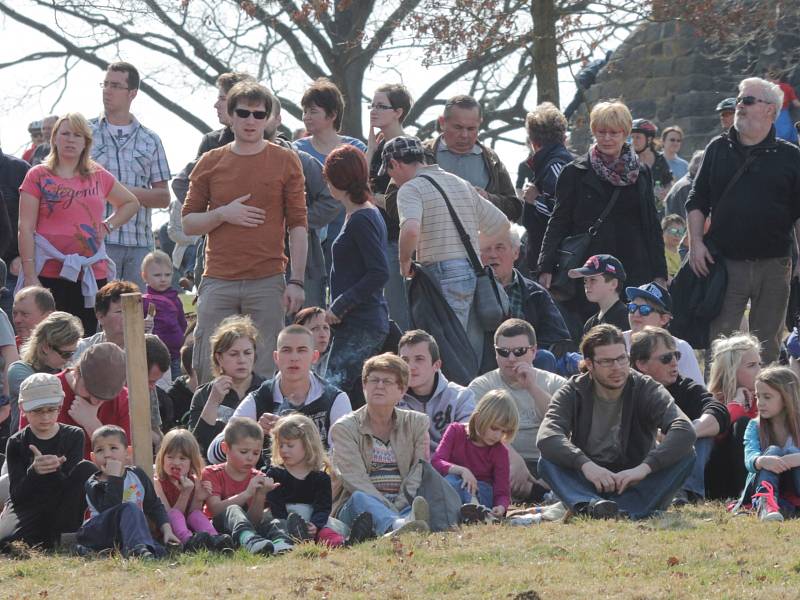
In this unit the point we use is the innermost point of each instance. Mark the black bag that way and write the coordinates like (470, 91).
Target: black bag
(490, 302)
(573, 251)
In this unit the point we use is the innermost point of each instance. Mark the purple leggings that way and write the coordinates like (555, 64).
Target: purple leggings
(184, 525)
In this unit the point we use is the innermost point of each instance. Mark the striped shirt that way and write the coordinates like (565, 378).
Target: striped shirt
(136, 160)
(417, 199)
(384, 472)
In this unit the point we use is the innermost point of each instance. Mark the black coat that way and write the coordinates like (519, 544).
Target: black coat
(631, 232)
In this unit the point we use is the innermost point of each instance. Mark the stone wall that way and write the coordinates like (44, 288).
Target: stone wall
(669, 74)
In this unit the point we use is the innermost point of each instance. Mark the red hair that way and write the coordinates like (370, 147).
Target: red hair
(346, 169)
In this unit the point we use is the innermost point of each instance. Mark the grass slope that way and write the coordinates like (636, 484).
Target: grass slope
(700, 552)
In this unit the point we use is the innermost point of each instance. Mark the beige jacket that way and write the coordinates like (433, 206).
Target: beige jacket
(352, 455)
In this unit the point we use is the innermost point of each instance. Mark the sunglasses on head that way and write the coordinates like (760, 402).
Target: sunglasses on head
(243, 113)
(665, 359)
(750, 100)
(644, 309)
(518, 352)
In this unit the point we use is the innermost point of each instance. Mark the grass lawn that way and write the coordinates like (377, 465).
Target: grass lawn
(700, 552)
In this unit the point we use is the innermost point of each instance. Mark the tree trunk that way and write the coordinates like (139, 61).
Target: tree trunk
(350, 79)
(544, 50)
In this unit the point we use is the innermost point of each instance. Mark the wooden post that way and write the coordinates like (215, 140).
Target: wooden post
(138, 389)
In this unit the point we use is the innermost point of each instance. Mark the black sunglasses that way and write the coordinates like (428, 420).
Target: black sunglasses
(257, 114)
(750, 100)
(665, 359)
(644, 309)
(518, 352)
(65, 354)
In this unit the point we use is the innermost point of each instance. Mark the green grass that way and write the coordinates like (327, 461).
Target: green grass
(699, 552)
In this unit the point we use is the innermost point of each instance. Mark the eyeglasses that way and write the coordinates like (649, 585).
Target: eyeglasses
(383, 381)
(113, 85)
(644, 309)
(608, 362)
(750, 100)
(665, 359)
(676, 230)
(380, 107)
(243, 113)
(518, 352)
(65, 354)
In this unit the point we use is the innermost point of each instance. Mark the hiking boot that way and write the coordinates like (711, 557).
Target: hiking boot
(200, 540)
(142, 552)
(361, 530)
(297, 528)
(222, 542)
(768, 509)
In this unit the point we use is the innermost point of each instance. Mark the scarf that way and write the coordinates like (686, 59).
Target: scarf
(622, 171)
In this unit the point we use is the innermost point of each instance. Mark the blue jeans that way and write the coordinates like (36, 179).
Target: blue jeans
(696, 482)
(485, 492)
(654, 492)
(457, 280)
(382, 516)
(123, 525)
(128, 260)
(395, 292)
(791, 477)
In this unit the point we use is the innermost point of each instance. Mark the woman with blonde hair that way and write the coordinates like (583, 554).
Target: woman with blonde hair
(736, 363)
(61, 226)
(609, 191)
(48, 350)
(233, 355)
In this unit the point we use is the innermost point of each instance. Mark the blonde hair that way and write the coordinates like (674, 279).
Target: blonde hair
(179, 441)
(58, 329)
(612, 113)
(158, 257)
(86, 166)
(496, 408)
(784, 381)
(727, 353)
(225, 335)
(299, 427)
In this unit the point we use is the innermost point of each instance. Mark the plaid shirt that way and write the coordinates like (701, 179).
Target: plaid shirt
(139, 162)
(514, 293)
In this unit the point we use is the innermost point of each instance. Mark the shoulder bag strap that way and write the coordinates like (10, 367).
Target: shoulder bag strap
(465, 239)
(614, 196)
(751, 156)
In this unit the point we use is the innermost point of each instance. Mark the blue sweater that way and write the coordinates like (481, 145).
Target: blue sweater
(360, 271)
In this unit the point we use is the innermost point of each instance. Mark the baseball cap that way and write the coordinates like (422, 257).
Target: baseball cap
(727, 104)
(102, 368)
(651, 292)
(399, 147)
(599, 264)
(40, 389)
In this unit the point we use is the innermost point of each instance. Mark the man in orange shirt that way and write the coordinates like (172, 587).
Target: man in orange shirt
(244, 196)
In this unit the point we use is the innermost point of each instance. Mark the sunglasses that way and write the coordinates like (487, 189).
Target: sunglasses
(665, 359)
(518, 352)
(750, 100)
(65, 354)
(257, 114)
(676, 230)
(644, 309)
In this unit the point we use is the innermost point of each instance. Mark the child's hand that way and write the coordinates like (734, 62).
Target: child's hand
(270, 484)
(187, 485)
(113, 468)
(207, 488)
(150, 319)
(499, 511)
(44, 464)
(774, 464)
(312, 529)
(257, 484)
(169, 535)
(202, 490)
(468, 481)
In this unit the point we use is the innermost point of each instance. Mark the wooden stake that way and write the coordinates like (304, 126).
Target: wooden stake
(138, 389)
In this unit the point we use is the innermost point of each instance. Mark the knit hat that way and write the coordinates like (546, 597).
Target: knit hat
(40, 389)
(102, 369)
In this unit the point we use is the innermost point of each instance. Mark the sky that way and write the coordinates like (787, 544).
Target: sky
(29, 93)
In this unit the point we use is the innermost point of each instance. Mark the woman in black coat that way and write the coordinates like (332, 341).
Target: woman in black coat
(631, 231)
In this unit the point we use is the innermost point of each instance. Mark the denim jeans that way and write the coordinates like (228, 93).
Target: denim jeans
(485, 492)
(457, 280)
(382, 516)
(128, 260)
(654, 492)
(395, 291)
(696, 482)
(789, 477)
(123, 525)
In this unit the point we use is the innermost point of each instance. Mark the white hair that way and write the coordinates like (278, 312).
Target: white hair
(772, 92)
(515, 234)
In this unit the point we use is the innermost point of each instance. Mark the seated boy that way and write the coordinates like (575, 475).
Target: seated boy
(45, 468)
(603, 281)
(239, 491)
(121, 499)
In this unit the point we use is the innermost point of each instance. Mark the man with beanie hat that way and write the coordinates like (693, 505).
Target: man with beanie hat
(45, 469)
(95, 392)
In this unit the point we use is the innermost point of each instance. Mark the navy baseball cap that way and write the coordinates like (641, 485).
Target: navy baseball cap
(652, 292)
(399, 147)
(598, 265)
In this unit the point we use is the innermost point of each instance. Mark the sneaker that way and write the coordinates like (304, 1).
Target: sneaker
(598, 509)
(297, 528)
(222, 542)
(361, 530)
(768, 509)
(258, 545)
(420, 511)
(200, 540)
(409, 527)
(81, 550)
(474, 513)
(281, 546)
(142, 552)
(681, 498)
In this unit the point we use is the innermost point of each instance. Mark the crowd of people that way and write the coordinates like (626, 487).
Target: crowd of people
(391, 336)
